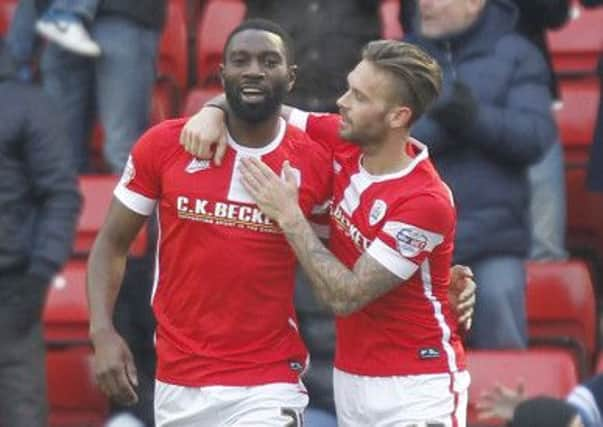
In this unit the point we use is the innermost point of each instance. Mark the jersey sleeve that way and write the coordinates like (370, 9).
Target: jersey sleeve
(323, 127)
(411, 232)
(139, 186)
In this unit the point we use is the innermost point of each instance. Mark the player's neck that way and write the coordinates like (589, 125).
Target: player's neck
(254, 135)
(390, 156)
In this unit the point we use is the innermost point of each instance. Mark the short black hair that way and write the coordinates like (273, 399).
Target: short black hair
(264, 25)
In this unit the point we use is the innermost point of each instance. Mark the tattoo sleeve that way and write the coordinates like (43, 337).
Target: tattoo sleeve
(341, 289)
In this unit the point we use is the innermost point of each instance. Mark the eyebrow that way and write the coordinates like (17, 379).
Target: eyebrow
(355, 89)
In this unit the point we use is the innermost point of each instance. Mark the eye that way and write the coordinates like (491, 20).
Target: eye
(272, 62)
(238, 60)
(359, 96)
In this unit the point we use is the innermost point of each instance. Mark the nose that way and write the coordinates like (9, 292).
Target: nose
(342, 101)
(254, 69)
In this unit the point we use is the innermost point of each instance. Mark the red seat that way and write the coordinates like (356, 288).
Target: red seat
(218, 19)
(390, 24)
(97, 192)
(75, 400)
(173, 47)
(561, 304)
(547, 371)
(599, 364)
(584, 213)
(197, 97)
(577, 45)
(576, 120)
(7, 10)
(577, 113)
(165, 100)
(66, 311)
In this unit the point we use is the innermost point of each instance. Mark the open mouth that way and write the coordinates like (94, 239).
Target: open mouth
(252, 94)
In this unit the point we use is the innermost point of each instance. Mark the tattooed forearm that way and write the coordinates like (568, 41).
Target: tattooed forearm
(341, 289)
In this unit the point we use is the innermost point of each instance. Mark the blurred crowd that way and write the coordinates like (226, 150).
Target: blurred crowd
(66, 65)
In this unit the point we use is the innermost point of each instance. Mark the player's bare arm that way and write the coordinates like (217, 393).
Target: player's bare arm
(204, 135)
(113, 362)
(340, 288)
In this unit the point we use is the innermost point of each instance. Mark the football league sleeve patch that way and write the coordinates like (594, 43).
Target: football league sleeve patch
(402, 247)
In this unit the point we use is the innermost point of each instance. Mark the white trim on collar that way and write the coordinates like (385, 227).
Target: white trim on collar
(257, 152)
(423, 154)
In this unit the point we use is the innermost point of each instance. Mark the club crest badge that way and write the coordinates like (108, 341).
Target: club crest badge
(377, 212)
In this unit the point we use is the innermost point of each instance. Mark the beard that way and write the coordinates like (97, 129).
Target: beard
(260, 111)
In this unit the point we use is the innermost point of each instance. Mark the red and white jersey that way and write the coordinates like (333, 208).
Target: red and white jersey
(223, 291)
(406, 221)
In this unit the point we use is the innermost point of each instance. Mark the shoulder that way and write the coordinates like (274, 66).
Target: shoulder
(521, 50)
(304, 145)
(163, 137)
(430, 203)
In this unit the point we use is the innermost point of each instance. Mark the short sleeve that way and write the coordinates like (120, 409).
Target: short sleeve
(411, 233)
(323, 127)
(139, 186)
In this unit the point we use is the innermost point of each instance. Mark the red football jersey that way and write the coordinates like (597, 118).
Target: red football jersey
(406, 221)
(223, 291)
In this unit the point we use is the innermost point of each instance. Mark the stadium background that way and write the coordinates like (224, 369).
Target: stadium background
(563, 298)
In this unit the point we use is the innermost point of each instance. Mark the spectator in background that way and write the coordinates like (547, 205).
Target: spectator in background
(21, 39)
(546, 177)
(39, 205)
(595, 165)
(65, 22)
(329, 36)
(504, 403)
(545, 412)
(117, 85)
(492, 121)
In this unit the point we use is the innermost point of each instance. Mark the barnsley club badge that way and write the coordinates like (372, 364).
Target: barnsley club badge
(377, 212)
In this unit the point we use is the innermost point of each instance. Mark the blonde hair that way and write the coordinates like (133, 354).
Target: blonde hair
(417, 74)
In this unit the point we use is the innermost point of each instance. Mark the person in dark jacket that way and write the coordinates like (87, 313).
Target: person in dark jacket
(117, 85)
(492, 121)
(39, 206)
(546, 177)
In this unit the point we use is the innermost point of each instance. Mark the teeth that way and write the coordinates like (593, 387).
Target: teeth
(250, 91)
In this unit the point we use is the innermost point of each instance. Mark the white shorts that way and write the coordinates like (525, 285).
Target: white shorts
(401, 401)
(270, 405)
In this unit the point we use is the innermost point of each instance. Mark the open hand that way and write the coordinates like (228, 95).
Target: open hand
(276, 197)
(114, 367)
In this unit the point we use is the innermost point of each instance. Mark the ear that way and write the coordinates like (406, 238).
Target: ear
(399, 117)
(292, 75)
(222, 74)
